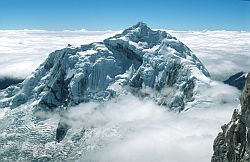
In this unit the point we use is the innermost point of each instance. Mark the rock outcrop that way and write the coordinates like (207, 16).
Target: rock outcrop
(232, 144)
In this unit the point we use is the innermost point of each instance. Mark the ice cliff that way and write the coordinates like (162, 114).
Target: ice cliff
(140, 61)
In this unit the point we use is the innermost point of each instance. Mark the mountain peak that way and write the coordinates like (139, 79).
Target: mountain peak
(141, 25)
(137, 59)
(140, 32)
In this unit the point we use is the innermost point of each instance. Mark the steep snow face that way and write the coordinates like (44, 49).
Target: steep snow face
(140, 61)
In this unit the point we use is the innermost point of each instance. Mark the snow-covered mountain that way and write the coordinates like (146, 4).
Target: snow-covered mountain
(140, 61)
(117, 94)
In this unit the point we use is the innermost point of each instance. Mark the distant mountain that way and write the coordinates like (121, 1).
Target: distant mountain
(7, 81)
(237, 80)
(232, 144)
(140, 61)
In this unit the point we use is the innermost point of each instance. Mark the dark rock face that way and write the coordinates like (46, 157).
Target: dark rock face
(237, 80)
(61, 131)
(6, 82)
(232, 144)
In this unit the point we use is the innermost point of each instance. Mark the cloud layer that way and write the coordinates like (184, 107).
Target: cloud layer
(22, 51)
(223, 52)
(128, 129)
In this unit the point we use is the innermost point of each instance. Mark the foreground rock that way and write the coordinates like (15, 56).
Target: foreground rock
(232, 144)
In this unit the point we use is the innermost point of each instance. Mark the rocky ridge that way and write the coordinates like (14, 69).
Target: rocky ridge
(232, 144)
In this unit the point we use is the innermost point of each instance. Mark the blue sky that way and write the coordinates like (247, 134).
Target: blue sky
(120, 14)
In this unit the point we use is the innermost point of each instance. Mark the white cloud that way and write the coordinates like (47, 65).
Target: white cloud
(223, 52)
(128, 129)
(22, 51)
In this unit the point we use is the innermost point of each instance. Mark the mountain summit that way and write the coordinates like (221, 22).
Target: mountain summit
(140, 61)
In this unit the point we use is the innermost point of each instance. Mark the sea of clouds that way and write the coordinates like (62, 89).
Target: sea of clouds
(22, 51)
(129, 129)
(224, 53)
